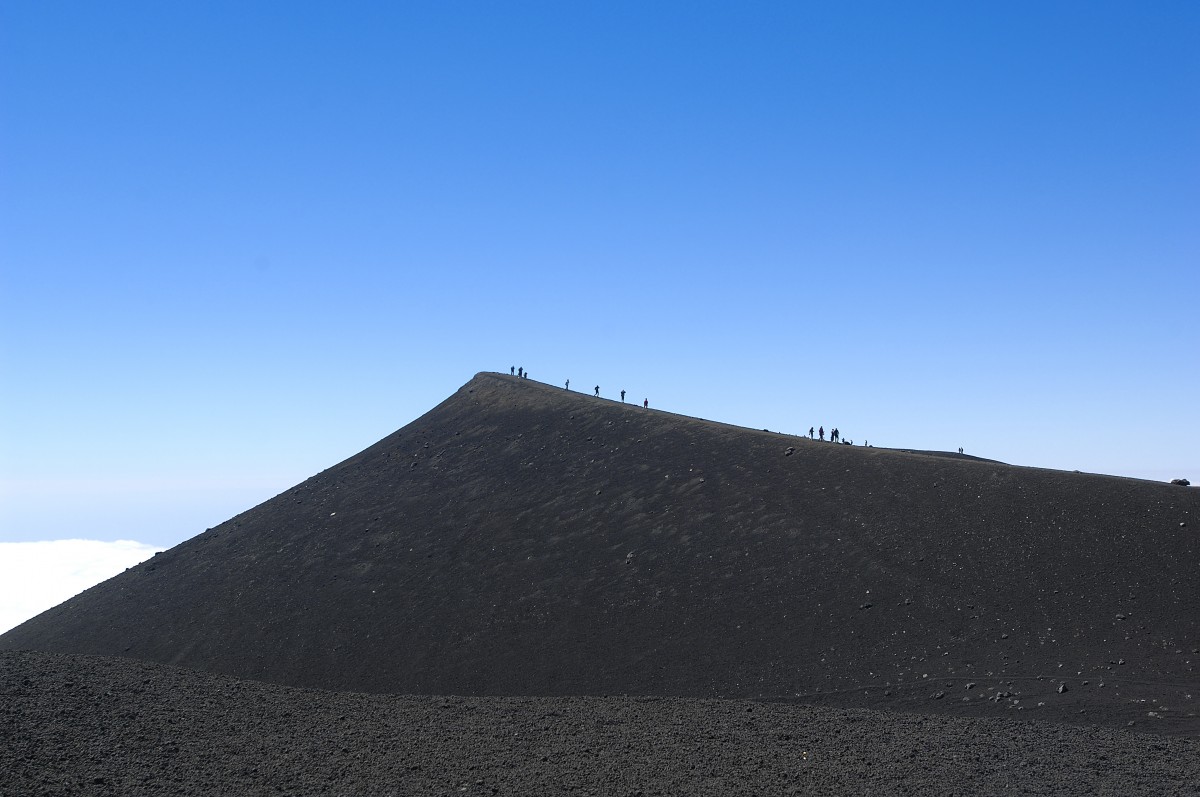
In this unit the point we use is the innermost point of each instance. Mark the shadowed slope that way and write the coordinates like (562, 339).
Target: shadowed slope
(519, 539)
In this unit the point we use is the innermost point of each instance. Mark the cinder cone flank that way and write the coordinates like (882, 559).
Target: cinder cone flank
(522, 539)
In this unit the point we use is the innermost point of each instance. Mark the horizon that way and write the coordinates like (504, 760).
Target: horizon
(240, 244)
(255, 491)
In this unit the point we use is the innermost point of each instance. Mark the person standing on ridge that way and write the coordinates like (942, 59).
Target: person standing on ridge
(568, 384)
(520, 373)
(645, 404)
(622, 396)
(811, 433)
(512, 370)
(597, 391)
(821, 432)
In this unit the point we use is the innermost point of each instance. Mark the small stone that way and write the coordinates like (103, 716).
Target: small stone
(1062, 688)
(970, 685)
(939, 695)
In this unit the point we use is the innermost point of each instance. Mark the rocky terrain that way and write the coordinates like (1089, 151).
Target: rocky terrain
(105, 726)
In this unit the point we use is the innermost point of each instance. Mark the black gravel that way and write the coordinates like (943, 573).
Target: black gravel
(106, 726)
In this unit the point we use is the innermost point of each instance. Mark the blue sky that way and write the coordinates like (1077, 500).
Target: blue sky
(240, 242)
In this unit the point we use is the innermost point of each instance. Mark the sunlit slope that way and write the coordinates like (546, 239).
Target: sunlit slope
(521, 539)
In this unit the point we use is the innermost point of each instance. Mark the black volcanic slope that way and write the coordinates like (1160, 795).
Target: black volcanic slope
(522, 540)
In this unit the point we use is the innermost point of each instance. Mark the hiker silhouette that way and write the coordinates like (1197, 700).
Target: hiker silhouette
(597, 391)
(622, 396)
(512, 370)
(646, 403)
(811, 433)
(568, 384)
(821, 432)
(520, 373)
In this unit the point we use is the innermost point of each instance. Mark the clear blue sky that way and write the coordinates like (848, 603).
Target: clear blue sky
(242, 241)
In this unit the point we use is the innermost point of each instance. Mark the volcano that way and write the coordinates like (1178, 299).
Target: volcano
(523, 540)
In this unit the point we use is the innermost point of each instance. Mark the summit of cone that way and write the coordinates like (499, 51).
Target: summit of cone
(520, 539)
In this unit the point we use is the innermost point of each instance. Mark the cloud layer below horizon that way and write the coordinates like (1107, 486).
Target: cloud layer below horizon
(36, 576)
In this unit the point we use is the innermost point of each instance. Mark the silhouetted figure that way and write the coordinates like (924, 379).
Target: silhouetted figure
(622, 396)
(811, 433)
(512, 370)
(646, 404)
(520, 373)
(821, 432)
(568, 384)
(834, 435)
(960, 449)
(526, 374)
(597, 391)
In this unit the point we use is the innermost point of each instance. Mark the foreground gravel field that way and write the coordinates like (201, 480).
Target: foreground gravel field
(93, 725)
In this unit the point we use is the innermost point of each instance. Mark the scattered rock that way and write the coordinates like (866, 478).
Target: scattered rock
(1062, 688)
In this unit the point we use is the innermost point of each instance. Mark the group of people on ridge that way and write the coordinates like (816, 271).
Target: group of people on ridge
(521, 373)
(835, 436)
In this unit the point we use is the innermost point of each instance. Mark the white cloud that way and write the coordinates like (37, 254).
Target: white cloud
(34, 576)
